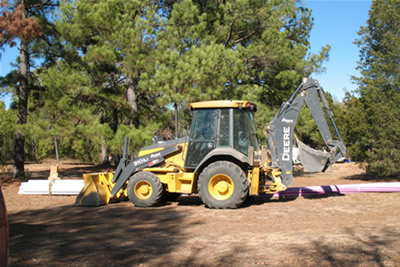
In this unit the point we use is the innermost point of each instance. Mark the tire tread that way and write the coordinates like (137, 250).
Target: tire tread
(157, 187)
(234, 202)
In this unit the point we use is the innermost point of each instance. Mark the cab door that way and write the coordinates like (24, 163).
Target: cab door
(203, 136)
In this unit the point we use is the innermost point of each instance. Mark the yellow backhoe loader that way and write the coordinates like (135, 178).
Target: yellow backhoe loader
(221, 160)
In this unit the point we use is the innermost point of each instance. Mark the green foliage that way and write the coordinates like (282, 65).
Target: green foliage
(7, 132)
(253, 50)
(117, 67)
(307, 130)
(372, 112)
(138, 137)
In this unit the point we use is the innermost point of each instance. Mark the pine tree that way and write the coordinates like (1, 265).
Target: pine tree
(115, 41)
(373, 111)
(252, 49)
(122, 64)
(16, 22)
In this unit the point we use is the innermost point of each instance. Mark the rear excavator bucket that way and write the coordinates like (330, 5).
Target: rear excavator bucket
(312, 160)
(97, 190)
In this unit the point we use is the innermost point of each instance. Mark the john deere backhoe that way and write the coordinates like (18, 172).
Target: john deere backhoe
(221, 160)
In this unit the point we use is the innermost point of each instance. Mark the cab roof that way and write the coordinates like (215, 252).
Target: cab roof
(224, 104)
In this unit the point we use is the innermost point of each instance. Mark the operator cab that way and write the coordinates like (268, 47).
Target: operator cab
(220, 124)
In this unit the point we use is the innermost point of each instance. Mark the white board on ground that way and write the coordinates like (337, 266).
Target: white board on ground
(59, 187)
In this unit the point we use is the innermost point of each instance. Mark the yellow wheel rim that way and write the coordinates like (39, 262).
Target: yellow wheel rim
(143, 189)
(221, 187)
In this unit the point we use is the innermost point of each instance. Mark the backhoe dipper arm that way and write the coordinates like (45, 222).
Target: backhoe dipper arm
(281, 128)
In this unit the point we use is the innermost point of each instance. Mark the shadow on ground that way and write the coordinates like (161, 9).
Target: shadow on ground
(377, 248)
(292, 194)
(112, 235)
(102, 236)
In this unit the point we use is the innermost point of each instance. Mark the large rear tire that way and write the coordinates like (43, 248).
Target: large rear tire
(223, 185)
(145, 189)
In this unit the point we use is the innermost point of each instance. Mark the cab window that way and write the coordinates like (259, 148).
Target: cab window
(204, 125)
(244, 131)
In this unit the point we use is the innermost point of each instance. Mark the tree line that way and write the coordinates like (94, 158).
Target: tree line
(91, 72)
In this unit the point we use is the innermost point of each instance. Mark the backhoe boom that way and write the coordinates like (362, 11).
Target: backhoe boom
(281, 129)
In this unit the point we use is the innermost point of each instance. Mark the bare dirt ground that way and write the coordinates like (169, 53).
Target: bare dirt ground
(348, 230)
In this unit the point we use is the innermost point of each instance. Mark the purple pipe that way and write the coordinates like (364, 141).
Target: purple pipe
(338, 189)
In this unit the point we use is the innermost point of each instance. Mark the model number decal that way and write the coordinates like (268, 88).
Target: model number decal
(145, 159)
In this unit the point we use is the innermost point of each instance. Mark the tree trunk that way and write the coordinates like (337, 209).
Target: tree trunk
(104, 154)
(115, 122)
(132, 100)
(23, 92)
(56, 148)
(131, 95)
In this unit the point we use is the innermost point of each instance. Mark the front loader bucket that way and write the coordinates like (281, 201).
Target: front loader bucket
(97, 190)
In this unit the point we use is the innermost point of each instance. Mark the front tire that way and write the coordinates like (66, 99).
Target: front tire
(223, 185)
(145, 189)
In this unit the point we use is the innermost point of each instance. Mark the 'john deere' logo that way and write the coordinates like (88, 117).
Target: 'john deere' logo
(286, 144)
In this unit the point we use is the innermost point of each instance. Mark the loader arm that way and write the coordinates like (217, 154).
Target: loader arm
(126, 169)
(280, 132)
